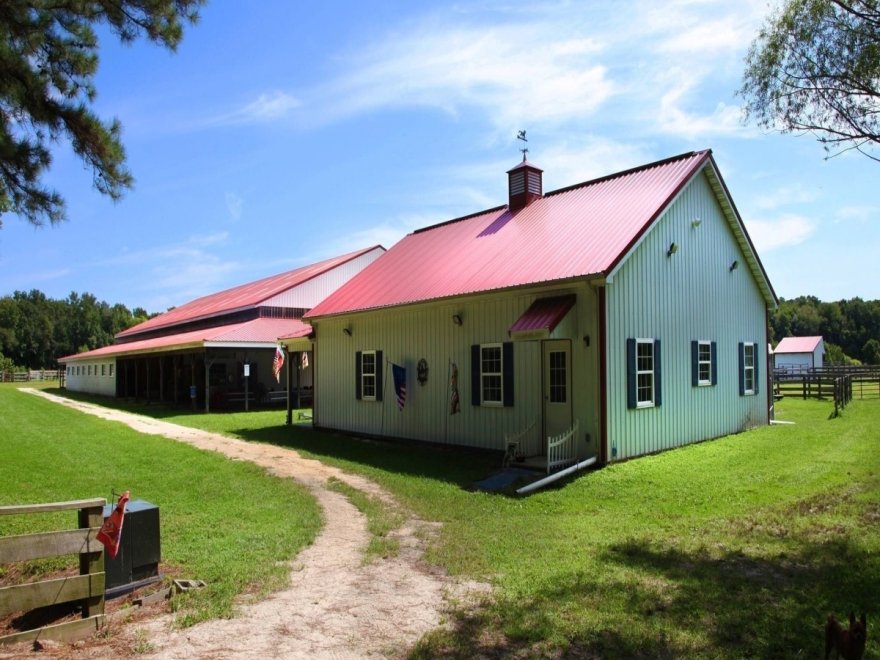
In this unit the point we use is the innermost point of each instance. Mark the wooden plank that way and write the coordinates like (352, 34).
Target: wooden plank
(92, 562)
(25, 597)
(68, 631)
(51, 506)
(48, 544)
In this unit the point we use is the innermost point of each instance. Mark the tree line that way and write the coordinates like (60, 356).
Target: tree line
(850, 328)
(35, 330)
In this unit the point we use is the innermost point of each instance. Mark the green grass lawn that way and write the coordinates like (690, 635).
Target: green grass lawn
(224, 522)
(734, 548)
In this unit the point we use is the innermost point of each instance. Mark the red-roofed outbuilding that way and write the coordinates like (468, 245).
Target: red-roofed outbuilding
(621, 316)
(799, 353)
(200, 350)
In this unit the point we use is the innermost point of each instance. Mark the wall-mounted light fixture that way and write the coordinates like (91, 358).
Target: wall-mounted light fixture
(587, 341)
(734, 266)
(696, 222)
(456, 318)
(347, 332)
(673, 248)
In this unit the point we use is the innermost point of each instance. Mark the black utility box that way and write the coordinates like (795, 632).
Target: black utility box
(139, 547)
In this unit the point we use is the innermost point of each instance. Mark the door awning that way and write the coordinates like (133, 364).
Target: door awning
(541, 318)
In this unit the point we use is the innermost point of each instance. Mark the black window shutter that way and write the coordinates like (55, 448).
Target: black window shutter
(714, 358)
(631, 401)
(742, 369)
(507, 375)
(658, 392)
(695, 363)
(475, 374)
(756, 360)
(357, 376)
(380, 368)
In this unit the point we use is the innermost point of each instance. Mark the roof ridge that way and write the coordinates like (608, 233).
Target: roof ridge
(460, 219)
(632, 170)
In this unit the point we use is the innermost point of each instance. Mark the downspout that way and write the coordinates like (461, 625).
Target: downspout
(535, 485)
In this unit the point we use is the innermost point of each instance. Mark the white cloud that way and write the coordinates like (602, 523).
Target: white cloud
(512, 73)
(787, 230)
(786, 196)
(672, 118)
(267, 107)
(857, 214)
(235, 204)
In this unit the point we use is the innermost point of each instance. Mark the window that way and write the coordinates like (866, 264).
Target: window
(558, 384)
(90, 370)
(111, 370)
(368, 375)
(103, 369)
(704, 370)
(748, 368)
(642, 373)
(492, 374)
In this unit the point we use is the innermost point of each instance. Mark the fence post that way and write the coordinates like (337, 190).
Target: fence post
(92, 562)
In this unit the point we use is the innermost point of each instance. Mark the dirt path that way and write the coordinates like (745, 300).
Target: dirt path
(335, 607)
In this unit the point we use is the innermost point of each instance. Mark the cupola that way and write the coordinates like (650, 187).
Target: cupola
(525, 185)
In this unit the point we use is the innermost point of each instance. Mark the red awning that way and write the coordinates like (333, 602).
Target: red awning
(542, 317)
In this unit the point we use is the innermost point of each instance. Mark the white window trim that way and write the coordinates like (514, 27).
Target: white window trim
(652, 371)
(499, 374)
(747, 370)
(700, 362)
(365, 375)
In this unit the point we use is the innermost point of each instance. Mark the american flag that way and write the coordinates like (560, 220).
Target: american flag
(399, 374)
(277, 363)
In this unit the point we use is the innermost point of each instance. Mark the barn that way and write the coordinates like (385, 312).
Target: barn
(198, 353)
(799, 353)
(620, 316)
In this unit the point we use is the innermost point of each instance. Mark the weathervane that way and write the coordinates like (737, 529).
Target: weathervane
(521, 135)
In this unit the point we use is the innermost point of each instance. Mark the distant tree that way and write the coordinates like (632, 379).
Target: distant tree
(871, 351)
(815, 67)
(48, 60)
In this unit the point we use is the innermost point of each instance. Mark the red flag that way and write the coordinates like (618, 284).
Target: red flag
(277, 363)
(111, 530)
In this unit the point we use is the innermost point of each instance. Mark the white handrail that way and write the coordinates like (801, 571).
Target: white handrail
(560, 449)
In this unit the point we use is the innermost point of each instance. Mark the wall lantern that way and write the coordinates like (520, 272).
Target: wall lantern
(422, 371)
(587, 341)
(347, 332)
(734, 265)
(696, 222)
(456, 318)
(673, 248)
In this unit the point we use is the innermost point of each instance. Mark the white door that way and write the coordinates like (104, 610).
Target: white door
(557, 387)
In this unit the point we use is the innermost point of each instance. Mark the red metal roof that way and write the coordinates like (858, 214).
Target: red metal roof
(241, 297)
(262, 330)
(798, 345)
(543, 315)
(573, 232)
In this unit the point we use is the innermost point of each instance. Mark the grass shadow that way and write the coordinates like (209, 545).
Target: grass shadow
(653, 600)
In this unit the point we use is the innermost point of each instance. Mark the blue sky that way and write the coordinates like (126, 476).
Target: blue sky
(283, 133)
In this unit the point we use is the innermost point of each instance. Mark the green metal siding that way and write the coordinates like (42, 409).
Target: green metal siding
(689, 295)
(408, 334)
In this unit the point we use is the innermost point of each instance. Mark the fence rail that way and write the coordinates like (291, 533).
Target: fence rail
(862, 382)
(27, 376)
(87, 587)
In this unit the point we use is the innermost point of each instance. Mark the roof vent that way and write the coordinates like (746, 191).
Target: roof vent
(525, 185)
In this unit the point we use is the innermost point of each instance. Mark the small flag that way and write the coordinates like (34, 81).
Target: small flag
(399, 374)
(305, 360)
(277, 363)
(111, 530)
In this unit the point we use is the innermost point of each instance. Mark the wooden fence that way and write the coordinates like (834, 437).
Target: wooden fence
(87, 587)
(842, 384)
(26, 376)
(820, 383)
